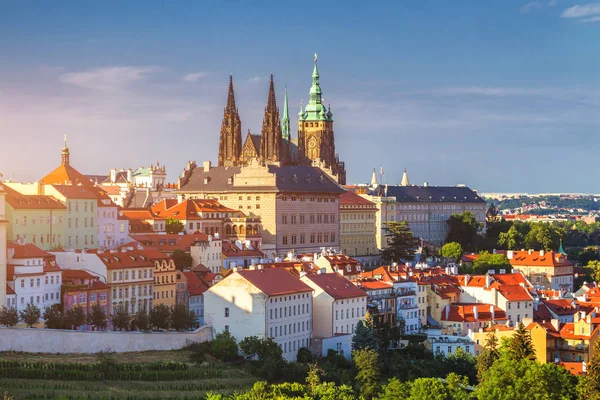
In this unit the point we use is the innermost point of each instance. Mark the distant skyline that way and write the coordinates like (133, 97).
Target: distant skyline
(499, 96)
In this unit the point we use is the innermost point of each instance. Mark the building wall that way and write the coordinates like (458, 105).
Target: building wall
(209, 254)
(196, 304)
(165, 283)
(358, 229)
(47, 232)
(293, 329)
(323, 306)
(67, 341)
(112, 232)
(3, 226)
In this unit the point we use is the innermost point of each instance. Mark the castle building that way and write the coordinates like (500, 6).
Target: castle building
(3, 225)
(315, 145)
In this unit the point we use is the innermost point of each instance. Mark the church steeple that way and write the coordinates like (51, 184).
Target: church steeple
(405, 181)
(230, 142)
(315, 109)
(374, 178)
(271, 149)
(65, 154)
(285, 121)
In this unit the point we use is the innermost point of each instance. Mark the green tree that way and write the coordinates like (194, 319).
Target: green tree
(487, 261)
(364, 337)
(160, 317)
(463, 229)
(121, 318)
(463, 364)
(74, 317)
(313, 379)
(141, 321)
(452, 250)
(488, 355)
(304, 355)
(520, 345)
(368, 374)
(180, 318)
(173, 225)
(589, 386)
(428, 389)
(511, 240)
(401, 244)
(9, 316)
(395, 390)
(53, 318)
(456, 386)
(594, 270)
(182, 259)
(491, 214)
(97, 317)
(30, 315)
(224, 347)
(539, 237)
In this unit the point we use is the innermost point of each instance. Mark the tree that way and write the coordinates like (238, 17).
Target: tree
(224, 347)
(520, 345)
(180, 318)
(368, 374)
(488, 355)
(491, 214)
(364, 337)
(313, 378)
(160, 317)
(452, 250)
(463, 229)
(74, 317)
(304, 355)
(462, 363)
(511, 240)
(539, 237)
(121, 318)
(589, 386)
(594, 270)
(428, 389)
(401, 244)
(486, 261)
(255, 347)
(97, 317)
(9, 316)
(182, 259)
(173, 225)
(53, 317)
(30, 315)
(395, 390)
(141, 321)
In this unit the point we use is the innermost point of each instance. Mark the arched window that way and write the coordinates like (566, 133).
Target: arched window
(242, 230)
(235, 230)
(228, 229)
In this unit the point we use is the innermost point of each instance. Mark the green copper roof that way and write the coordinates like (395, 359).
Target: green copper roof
(315, 110)
(561, 250)
(285, 121)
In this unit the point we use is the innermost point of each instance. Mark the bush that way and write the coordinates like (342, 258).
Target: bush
(304, 355)
(224, 347)
(31, 315)
(9, 316)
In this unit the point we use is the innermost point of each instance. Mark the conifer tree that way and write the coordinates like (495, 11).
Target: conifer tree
(488, 356)
(364, 337)
(589, 386)
(521, 346)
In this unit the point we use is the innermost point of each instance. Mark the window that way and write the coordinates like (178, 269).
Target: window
(302, 219)
(293, 239)
(226, 314)
(284, 219)
(284, 240)
(293, 220)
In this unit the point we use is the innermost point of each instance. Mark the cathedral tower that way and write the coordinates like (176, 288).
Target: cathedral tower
(316, 141)
(230, 142)
(271, 141)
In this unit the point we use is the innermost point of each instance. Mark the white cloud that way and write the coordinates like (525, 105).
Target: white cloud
(531, 6)
(591, 19)
(107, 78)
(254, 79)
(584, 10)
(195, 76)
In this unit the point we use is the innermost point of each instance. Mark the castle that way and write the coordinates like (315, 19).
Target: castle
(314, 146)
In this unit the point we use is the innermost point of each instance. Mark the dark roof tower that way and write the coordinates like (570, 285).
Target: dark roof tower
(271, 148)
(230, 142)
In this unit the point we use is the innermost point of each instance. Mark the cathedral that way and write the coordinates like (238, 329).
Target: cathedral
(314, 146)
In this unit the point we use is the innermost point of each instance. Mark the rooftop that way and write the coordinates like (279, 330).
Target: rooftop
(274, 281)
(336, 286)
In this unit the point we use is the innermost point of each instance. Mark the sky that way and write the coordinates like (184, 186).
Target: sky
(500, 95)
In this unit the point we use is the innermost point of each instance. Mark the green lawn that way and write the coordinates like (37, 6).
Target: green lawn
(232, 379)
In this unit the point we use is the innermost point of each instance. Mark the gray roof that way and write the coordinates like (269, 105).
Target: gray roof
(449, 194)
(289, 179)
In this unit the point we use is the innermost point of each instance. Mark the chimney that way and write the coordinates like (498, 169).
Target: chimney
(529, 251)
(252, 267)
(583, 367)
(476, 313)
(447, 312)
(129, 175)
(113, 175)
(510, 254)
(488, 280)
(541, 253)
(492, 312)
(206, 166)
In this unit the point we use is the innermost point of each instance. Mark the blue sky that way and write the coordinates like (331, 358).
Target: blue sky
(498, 95)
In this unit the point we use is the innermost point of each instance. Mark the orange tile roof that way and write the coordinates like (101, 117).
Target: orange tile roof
(576, 368)
(81, 192)
(373, 285)
(465, 312)
(274, 281)
(568, 332)
(69, 274)
(548, 259)
(542, 313)
(141, 214)
(130, 258)
(167, 242)
(189, 209)
(560, 307)
(28, 250)
(20, 201)
(195, 286)
(66, 175)
(336, 286)
(9, 290)
(349, 198)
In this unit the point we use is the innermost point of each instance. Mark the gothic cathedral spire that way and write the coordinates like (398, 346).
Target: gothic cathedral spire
(230, 142)
(285, 121)
(271, 146)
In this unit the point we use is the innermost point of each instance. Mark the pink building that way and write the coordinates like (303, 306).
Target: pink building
(80, 288)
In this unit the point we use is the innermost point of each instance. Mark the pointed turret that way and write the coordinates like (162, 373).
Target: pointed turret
(271, 136)
(230, 143)
(405, 181)
(66, 154)
(561, 249)
(285, 121)
(374, 178)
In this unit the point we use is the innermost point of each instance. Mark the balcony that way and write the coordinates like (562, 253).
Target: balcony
(402, 293)
(384, 296)
(406, 306)
(580, 348)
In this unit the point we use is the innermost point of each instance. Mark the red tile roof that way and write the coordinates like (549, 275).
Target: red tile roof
(9, 290)
(336, 286)
(274, 281)
(535, 259)
(69, 274)
(28, 250)
(349, 198)
(560, 307)
(51, 266)
(568, 332)
(576, 368)
(195, 286)
(130, 258)
(65, 174)
(81, 192)
(168, 242)
(189, 209)
(373, 285)
(542, 313)
(20, 201)
(141, 214)
(231, 250)
(465, 312)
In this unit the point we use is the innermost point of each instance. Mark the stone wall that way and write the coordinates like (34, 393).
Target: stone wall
(64, 341)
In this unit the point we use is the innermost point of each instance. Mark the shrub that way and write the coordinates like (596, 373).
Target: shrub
(224, 347)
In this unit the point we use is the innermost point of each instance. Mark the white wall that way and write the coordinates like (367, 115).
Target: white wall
(209, 254)
(63, 341)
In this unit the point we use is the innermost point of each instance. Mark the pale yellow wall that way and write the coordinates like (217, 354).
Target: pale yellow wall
(358, 236)
(165, 283)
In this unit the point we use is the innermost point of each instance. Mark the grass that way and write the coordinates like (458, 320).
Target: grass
(234, 379)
